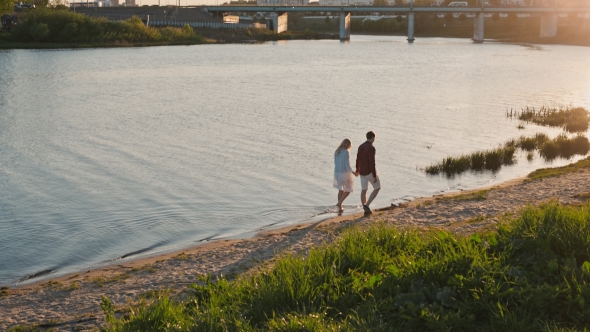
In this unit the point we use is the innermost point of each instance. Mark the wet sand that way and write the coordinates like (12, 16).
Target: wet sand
(72, 302)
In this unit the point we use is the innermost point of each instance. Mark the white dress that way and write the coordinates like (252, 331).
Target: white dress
(343, 173)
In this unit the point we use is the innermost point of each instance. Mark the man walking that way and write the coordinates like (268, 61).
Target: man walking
(365, 166)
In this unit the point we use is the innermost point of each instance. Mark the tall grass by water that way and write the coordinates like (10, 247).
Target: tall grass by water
(560, 147)
(533, 274)
(571, 119)
(478, 161)
(61, 26)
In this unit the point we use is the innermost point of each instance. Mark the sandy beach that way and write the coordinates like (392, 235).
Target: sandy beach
(72, 302)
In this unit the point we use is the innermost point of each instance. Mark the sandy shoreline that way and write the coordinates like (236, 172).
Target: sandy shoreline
(72, 302)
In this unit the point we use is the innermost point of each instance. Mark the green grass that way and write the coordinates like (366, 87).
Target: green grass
(558, 171)
(480, 195)
(564, 147)
(560, 147)
(571, 119)
(48, 26)
(100, 281)
(477, 161)
(533, 274)
(24, 328)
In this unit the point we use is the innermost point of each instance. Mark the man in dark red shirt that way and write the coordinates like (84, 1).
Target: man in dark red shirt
(365, 166)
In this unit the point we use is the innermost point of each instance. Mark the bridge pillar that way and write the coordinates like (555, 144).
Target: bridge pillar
(279, 22)
(411, 27)
(549, 25)
(478, 28)
(344, 26)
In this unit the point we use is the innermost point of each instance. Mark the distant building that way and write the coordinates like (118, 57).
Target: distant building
(130, 3)
(115, 2)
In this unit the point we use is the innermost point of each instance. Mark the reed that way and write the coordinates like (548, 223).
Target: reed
(560, 147)
(564, 147)
(571, 119)
(477, 161)
(533, 274)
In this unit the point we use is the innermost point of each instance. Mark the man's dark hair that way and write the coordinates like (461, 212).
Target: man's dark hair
(370, 135)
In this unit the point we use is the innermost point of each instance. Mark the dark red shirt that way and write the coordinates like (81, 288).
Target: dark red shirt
(365, 159)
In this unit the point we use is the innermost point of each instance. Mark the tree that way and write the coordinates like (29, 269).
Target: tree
(449, 17)
(462, 17)
(496, 17)
(6, 6)
(380, 3)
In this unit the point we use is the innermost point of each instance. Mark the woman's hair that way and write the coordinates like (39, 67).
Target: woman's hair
(345, 145)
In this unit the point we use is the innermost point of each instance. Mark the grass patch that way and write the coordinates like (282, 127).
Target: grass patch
(100, 281)
(560, 147)
(558, 171)
(54, 285)
(74, 285)
(480, 195)
(564, 147)
(24, 328)
(181, 256)
(148, 267)
(533, 274)
(478, 161)
(571, 119)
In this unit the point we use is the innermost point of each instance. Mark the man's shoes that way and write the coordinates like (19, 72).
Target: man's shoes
(367, 210)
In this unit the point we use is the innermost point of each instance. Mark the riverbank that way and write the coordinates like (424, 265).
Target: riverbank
(74, 301)
(209, 36)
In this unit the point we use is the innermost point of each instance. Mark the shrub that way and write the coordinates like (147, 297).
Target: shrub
(39, 32)
(58, 26)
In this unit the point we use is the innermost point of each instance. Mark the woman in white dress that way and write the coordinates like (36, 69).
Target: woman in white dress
(343, 173)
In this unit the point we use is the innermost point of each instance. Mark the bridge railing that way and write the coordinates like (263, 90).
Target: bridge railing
(212, 25)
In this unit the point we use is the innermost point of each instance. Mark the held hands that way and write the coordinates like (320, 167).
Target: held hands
(356, 173)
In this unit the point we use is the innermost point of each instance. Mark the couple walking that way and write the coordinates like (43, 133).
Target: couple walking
(365, 167)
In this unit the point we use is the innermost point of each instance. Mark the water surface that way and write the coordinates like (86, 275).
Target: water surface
(107, 152)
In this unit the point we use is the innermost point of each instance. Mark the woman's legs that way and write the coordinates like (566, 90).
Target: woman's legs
(341, 197)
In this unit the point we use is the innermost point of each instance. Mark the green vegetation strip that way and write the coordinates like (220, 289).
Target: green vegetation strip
(560, 147)
(558, 171)
(63, 27)
(571, 119)
(533, 274)
(480, 195)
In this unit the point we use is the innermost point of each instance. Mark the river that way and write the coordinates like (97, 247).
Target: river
(127, 152)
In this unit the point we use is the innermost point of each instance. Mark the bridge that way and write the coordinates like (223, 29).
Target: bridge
(280, 15)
